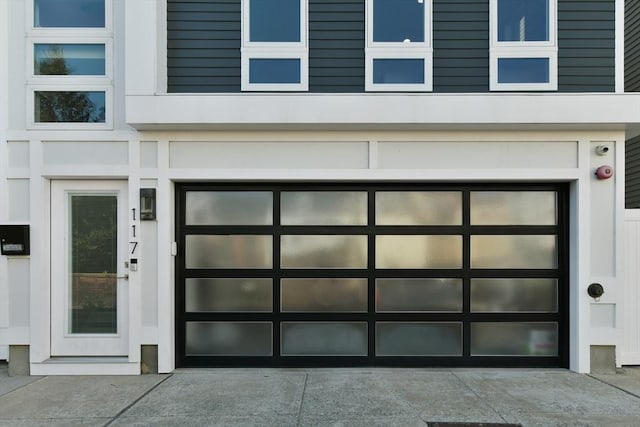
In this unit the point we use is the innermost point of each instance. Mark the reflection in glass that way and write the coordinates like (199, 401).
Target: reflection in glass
(304, 251)
(69, 59)
(514, 251)
(324, 339)
(69, 107)
(274, 70)
(513, 295)
(419, 251)
(274, 20)
(229, 251)
(418, 295)
(229, 208)
(240, 295)
(418, 208)
(419, 339)
(69, 13)
(398, 71)
(94, 257)
(514, 339)
(228, 339)
(324, 295)
(324, 208)
(523, 70)
(398, 20)
(513, 208)
(523, 20)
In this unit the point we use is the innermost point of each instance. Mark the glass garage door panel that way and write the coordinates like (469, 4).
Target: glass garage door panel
(229, 208)
(324, 295)
(514, 208)
(323, 208)
(323, 252)
(418, 339)
(418, 295)
(324, 339)
(418, 252)
(514, 295)
(228, 295)
(229, 251)
(418, 208)
(514, 339)
(529, 252)
(229, 339)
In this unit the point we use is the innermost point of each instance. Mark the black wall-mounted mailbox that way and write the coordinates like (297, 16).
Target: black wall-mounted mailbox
(14, 239)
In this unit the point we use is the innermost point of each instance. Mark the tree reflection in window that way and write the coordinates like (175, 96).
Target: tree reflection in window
(69, 107)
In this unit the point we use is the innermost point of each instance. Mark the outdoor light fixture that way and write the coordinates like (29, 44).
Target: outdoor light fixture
(147, 204)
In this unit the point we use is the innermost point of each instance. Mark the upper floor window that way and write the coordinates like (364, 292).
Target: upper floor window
(69, 13)
(274, 45)
(398, 52)
(524, 53)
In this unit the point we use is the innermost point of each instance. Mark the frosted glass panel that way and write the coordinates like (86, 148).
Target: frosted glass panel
(224, 251)
(418, 295)
(324, 339)
(418, 339)
(229, 208)
(229, 339)
(514, 251)
(514, 339)
(243, 295)
(324, 208)
(513, 208)
(418, 251)
(324, 295)
(304, 251)
(513, 295)
(418, 208)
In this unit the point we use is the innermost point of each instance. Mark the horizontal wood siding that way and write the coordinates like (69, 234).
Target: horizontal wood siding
(632, 172)
(586, 45)
(203, 46)
(632, 46)
(460, 46)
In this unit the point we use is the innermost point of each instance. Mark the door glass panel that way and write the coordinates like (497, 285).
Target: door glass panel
(304, 251)
(513, 208)
(229, 208)
(418, 251)
(418, 295)
(418, 208)
(514, 251)
(419, 339)
(229, 251)
(514, 339)
(228, 339)
(94, 259)
(324, 339)
(324, 295)
(324, 208)
(512, 295)
(233, 295)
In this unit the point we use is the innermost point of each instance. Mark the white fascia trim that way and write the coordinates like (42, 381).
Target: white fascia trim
(425, 54)
(535, 53)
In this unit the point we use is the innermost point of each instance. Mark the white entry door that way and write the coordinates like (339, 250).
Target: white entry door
(89, 283)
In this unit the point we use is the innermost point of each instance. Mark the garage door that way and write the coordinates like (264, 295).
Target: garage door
(364, 275)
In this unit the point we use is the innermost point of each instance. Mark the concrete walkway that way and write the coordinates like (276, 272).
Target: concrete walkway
(324, 397)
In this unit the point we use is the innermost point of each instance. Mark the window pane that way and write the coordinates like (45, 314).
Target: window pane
(514, 251)
(418, 208)
(242, 295)
(514, 339)
(418, 251)
(418, 339)
(324, 295)
(272, 71)
(513, 208)
(398, 71)
(523, 20)
(69, 59)
(324, 339)
(94, 257)
(398, 20)
(223, 251)
(69, 13)
(229, 208)
(323, 208)
(512, 295)
(274, 20)
(324, 251)
(418, 295)
(229, 339)
(523, 70)
(69, 107)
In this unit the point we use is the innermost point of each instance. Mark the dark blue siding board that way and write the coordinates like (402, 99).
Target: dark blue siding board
(632, 51)
(632, 172)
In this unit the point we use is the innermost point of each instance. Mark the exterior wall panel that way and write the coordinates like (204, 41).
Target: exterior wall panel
(632, 175)
(632, 46)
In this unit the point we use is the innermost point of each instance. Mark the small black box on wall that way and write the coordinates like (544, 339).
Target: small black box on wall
(14, 239)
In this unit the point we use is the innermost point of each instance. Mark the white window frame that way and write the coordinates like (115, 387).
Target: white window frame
(108, 106)
(523, 49)
(400, 50)
(274, 50)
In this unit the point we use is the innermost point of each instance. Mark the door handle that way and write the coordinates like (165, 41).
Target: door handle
(125, 277)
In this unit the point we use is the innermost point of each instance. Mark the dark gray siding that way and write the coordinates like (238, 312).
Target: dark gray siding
(632, 46)
(460, 45)
(632, 179)
(203, 45)
(586, 45)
